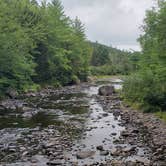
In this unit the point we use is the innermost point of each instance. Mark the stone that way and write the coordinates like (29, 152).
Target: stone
(104, 153)
(100, 147)
(143, 160)
(84, 154)
(113, 134)
(117, 163)
(125, 134)
(54, 162)
(12, 93)
(129, 149)
(106, 90)
(105, 114)
(114, 152)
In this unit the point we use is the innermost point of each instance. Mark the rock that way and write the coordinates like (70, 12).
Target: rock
(105, 114)
(89, 79)
(125, 134)
(2, 107)
(117, 163)
(106, 90)
(143, 160)
(100, 148)
(115, 152)
(54, 162)
(113, 134)
(136, 131)
(104, 153)
(129, 149)
(12, 93)
(84, 154)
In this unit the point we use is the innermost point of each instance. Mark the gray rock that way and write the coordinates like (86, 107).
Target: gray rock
(105, 114)
(54, 162)
(100, 147)
(12, 93)
(113, 134)
(104, 153)
(106, 90)
(84, 154)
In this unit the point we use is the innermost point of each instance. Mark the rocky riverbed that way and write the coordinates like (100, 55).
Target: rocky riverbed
(74, 126)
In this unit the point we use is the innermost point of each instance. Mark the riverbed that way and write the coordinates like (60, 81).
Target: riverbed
(70, 126)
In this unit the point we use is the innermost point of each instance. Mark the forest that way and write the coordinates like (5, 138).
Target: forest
(40, 46)
(106, 60)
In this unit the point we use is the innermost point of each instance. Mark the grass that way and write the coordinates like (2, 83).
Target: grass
(108, 76)
(138, 106)
(161, 115)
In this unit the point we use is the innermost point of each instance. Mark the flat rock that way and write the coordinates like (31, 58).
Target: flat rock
(84, 154)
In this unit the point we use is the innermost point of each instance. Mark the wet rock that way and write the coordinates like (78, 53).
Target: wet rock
(113, 134)
(129, 149)
(106, 90)
(135, 131)
(117, 163)
(114, 152)
(143, 160)
(12, 93)
(105, 114)
(116, 112)
(100, 148)
(84, 154)
(125, 133)
(2, 107)
(104, 153)
(54, 162)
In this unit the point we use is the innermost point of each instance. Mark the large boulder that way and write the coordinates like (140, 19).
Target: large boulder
(106, 90)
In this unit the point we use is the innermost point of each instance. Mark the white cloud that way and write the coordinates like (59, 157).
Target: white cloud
(112, 22)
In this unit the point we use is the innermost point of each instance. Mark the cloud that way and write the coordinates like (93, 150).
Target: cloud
(112, 22)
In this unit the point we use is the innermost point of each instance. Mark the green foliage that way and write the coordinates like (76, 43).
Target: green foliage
(148, 85)
(40, 44)
(100, 54)
(110, 61)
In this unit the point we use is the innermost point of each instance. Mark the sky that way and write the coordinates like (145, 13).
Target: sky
(112, 22)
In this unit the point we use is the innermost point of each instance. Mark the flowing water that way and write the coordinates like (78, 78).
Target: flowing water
(102, 128)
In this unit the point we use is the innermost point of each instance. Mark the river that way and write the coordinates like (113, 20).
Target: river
(66, 126)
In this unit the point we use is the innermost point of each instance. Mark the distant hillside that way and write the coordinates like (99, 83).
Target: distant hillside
(109, 60)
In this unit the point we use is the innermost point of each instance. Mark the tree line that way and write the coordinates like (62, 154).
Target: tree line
(107, 60)
(147, 86)
(40, 45)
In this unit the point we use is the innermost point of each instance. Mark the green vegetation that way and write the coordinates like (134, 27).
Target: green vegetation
(111, 61)
(148, 85)
(161, 115)
(40, 45)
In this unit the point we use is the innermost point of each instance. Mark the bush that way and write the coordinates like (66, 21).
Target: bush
(147, 89)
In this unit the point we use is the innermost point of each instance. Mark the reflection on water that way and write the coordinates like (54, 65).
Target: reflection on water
(49, 111)
(99, 128)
